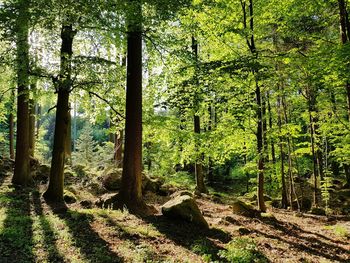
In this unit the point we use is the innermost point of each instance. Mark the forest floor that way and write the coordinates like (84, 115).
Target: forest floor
(33, 231)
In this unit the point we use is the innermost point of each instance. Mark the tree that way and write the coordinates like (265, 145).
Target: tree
(21, 174)
(64, 85)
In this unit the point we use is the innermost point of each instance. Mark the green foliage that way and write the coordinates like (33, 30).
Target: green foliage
(326, 188)
(85, 146)
(242, 250)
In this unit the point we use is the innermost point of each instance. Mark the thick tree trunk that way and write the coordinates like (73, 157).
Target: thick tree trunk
(22, 170)
(130, 193)
(37, 125)
(56, 183)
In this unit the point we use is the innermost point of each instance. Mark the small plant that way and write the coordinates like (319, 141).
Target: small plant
(242, 250)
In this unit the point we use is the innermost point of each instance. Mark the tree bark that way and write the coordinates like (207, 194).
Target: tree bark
(118, 151)
(31, 127)
(22, 170)
(11, 128)
(64, 83)
(200, 185)
(130, 193)
(344, 34)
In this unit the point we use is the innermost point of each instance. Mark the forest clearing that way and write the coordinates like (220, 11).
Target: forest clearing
(174, 131)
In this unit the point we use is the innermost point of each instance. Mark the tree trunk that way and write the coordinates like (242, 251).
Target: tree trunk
(11, 128)
(37, 125)
(344, 33)
(273, 154)
(200, 185)
(31, 127)
(314, 158)
(118, 145)
(283, 178)
(68, 143)
(259, 110)
(22, 170)
(259, 137)
(130, 193)
(56, 183)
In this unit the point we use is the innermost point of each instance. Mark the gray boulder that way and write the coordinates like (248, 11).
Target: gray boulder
(184, 207)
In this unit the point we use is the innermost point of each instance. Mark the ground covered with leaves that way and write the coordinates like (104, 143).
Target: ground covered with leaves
(33, 231)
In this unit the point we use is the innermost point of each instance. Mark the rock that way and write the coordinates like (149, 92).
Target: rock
(318, 211)
(69, 197)
(151, 185)
(86, 204)
(276, 203)
(184, 207)
(181, 193)
(241, 208)
(112, 180)
(42, 173)
(95, 188)
(106, 201)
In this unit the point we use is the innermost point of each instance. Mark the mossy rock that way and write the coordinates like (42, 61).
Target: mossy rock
(276, 203)
(42, 173)
(241, 208)
(69, 197)
(106, 201)
(150, 184)
(184, 207)
(181, 193)
(318, 211)
(112, 180)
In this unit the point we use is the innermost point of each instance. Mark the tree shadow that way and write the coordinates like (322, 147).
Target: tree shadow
(192, 237)
(92, 246)
(49, 235)
(307, 244)
(16, 237)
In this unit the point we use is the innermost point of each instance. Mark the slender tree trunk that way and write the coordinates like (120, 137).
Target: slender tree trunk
(200, 185)
(37, 125)
(259, 137)
(31, 126)
(259, 110)
(282, 154)
(56, 183)
(314, 158)
(68, 143)
(273, 154)
(22, 170)
(11, 128)
(344, 33)
(118, 145)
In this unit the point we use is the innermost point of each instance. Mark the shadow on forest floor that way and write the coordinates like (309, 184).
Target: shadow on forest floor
(16, 236)
(91, 245)
(197, 239)
(304, 241)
